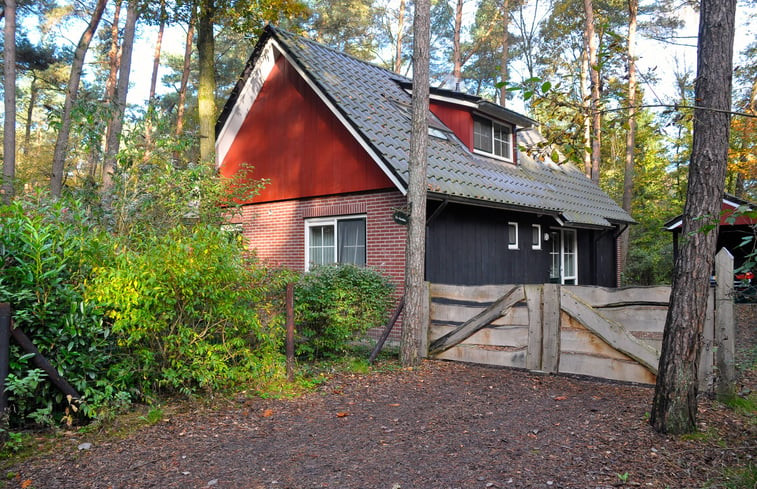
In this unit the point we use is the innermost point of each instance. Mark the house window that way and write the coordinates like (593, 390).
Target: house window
(493, 138)
(512, 235)
(564, 258)
(536, 236)
(335, 240)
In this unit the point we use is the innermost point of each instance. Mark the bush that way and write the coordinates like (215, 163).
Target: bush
(46, 251)
(334, 304)
(183, 308)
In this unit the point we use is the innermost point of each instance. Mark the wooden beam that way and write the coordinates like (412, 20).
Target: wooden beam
(609, 331)
(533, 300)
(52, 374)
(725, 331)
(387, 330)
(550, 349)
(499, 307)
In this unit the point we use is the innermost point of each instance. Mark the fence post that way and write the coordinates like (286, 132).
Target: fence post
(534, 301)
(290, 332)
(5, 333)
(550, 357)
(725, 331)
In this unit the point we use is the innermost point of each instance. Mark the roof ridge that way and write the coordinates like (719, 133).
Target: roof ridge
(277, 30)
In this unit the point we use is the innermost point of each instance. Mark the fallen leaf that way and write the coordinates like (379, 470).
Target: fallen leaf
(268, 413)
(560, 398)
(26, 483)
(342, 414)
(394, 405)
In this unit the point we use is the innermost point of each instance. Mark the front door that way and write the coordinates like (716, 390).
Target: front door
(563, 257)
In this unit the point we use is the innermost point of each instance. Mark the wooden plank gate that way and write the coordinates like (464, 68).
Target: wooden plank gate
(594, 331)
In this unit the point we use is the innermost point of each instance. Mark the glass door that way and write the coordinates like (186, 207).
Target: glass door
(563, 255)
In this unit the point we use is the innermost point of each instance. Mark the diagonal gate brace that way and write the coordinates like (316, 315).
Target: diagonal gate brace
(465, 330)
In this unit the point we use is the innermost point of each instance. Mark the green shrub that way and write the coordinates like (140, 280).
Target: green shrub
(334, 304)
(183, 308)
(46, 251)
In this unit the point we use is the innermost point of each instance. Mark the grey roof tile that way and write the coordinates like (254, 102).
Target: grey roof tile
(377, 107)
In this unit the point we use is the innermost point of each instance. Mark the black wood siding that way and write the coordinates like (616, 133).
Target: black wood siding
(467, 245)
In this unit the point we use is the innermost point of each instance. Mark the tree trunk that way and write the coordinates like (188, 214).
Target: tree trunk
(412, 327)
(675, 400)
(113, 56)
(154, 81)
(633, 9)
(122, 89)
(9, 123)
(596, 117)
(72, 92)
(185, 73)
(206, 92)
(33, 91)
(505, 48)
(586, 105)
(457, 53)
(400, 38)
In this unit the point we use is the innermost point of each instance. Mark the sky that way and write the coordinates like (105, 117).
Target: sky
(664, 59)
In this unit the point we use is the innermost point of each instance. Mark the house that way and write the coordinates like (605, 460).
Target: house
(733, 231)
(332, 135)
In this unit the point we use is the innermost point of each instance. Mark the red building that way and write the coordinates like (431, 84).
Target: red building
(331, 134)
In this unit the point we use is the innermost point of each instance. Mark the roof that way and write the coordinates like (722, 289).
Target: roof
(730, 204)
(374, 105)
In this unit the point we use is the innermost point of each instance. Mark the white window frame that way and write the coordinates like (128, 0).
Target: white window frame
(537, 228)
(332, 221)
(509, 157)
(512, 246)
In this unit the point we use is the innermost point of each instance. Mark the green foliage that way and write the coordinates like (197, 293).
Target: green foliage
(46, 251)
(183, 310)
(334, 304)
(741, 477)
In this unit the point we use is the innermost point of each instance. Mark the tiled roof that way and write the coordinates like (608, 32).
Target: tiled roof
(371, 99)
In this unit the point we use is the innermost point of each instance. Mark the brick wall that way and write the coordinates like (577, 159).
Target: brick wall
(276, 231)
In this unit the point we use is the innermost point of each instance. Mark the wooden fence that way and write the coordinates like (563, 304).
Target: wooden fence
(595, 331)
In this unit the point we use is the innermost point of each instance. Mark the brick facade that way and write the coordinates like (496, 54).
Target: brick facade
(276, 231)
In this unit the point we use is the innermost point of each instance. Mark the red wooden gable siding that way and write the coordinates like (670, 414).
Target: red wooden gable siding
(460, 120)
(290, 137)
(457, 118)
(727, 211)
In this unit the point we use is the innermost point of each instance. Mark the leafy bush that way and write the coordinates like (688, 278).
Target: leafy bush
(183, 308)
(46, 251)
(335, 303)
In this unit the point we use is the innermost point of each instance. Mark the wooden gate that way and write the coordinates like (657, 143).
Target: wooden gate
(595, 331)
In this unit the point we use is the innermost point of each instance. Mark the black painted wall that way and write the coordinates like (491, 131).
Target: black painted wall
(467, 245)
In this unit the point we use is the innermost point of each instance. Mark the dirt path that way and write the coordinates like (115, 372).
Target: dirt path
(444, 425)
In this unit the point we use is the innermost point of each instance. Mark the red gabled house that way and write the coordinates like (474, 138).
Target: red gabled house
(331, 134)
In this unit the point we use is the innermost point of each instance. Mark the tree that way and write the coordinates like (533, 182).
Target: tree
(115, 126)
(596, 115)
(674, 407)
(206, 88)
(9, 123)
(415, 252)
(72, 91)
(633, 10)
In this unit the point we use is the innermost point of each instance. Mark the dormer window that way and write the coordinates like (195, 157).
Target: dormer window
(492, 138)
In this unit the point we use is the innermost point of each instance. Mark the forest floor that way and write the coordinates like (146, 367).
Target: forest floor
(442, 425)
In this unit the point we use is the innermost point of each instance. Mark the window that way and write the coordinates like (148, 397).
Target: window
(512, 235)
(335, 240)
(492, 138)
(536, 236)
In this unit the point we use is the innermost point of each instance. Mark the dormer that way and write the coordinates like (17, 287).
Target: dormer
(486, 128)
